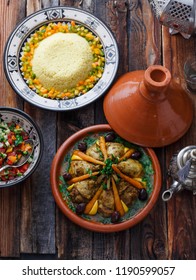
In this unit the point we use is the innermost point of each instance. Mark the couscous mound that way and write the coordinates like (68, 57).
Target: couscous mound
(56, 68)
(62, 60)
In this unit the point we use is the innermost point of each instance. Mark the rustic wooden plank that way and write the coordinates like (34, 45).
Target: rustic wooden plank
(38, 215)
(114, 14)
(10, 13)
(144, 50)
(72, 241)
(181, 208)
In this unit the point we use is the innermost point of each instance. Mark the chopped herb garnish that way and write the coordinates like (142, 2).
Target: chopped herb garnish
(18, 140)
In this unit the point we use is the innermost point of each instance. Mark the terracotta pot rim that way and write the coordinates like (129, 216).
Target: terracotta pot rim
(93, 226)
(151, 72)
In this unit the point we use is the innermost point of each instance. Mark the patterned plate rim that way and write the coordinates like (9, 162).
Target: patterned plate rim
(59, 13)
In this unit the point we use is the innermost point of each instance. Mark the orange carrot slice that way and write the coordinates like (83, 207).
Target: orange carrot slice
(81, 178)
(117, 200)
(92, 201)
(87, 158)
(127, 155)
(102, 145)
(133, 182)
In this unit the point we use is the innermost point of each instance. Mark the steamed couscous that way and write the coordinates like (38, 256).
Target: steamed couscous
(62, 61)
(73, 66)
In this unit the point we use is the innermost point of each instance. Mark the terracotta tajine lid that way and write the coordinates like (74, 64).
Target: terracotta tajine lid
(148, 108)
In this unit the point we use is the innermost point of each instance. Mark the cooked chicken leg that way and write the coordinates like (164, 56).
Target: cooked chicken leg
(81, 167)
(106, 203)
(83, 191)
(131, 167)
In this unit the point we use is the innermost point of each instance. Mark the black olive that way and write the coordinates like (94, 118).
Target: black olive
(110, 136)
(67, 176)
(82, 146)
(115, 217)
(143, 195)
(80, 208)
(136, 155)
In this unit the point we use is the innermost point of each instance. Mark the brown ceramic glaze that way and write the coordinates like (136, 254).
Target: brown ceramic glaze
(94, 226)
(148, 108)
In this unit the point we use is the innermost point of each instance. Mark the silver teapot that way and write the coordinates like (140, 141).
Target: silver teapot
(182, 170)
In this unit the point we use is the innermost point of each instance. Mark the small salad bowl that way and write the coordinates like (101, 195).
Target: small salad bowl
(91, 183)
(21, 146)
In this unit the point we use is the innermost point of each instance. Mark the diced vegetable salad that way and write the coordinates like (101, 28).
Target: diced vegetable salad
(12, 148)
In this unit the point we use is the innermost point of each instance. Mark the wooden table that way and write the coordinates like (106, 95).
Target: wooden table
(31, 225)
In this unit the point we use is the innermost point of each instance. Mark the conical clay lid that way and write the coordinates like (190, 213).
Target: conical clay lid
(148, 108)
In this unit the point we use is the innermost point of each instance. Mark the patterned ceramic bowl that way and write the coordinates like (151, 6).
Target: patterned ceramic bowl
(22, 34)
(22, 122)
(74, 194)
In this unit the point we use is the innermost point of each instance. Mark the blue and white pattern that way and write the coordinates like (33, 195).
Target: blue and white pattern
(12, 63)
(24, 30)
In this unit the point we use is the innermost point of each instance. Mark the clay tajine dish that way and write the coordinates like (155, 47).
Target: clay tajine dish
(104, 189)
(148, 108)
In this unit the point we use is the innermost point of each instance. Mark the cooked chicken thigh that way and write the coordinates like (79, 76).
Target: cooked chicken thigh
(131, 167)
(106, 203)
(127, 192)
(115, 149)
(83, 191)
(95, 152)
(81, 167)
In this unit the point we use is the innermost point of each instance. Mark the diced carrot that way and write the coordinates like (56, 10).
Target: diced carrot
(43, 90)
(27, 147)
(12, 159)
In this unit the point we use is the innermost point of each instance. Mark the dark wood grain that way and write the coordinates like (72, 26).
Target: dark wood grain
(181, 209)
(144, 50)
(38, 217)
(11, 13)
(31, 225)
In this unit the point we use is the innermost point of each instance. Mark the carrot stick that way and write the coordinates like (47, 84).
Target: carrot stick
(127, 155)
(87, 158)
(92, 201)
(117, 201)
(133, 182)
(103, 147)
(81, 178)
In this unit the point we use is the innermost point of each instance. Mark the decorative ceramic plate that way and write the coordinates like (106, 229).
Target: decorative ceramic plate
(22, 34)
(96, 192)
(18, 117)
